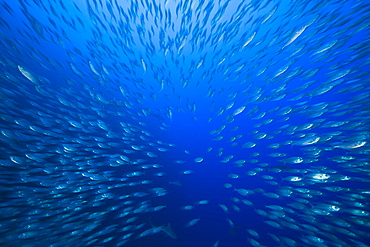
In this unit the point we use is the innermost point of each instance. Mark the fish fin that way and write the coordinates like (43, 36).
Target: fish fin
(150, 223)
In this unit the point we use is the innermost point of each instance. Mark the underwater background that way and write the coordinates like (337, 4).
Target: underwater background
(184, 123)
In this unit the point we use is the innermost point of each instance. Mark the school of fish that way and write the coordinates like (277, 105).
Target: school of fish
(91, 93)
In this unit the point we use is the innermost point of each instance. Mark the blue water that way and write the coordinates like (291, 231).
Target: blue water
(184, 123)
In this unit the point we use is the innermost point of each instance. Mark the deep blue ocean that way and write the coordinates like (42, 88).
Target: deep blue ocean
(184, 123)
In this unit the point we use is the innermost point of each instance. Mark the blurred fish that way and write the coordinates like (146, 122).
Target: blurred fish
(155, 229)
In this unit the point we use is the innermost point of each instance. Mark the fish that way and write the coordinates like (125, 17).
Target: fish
(192, 222)
(246, 115)
(165, 229)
